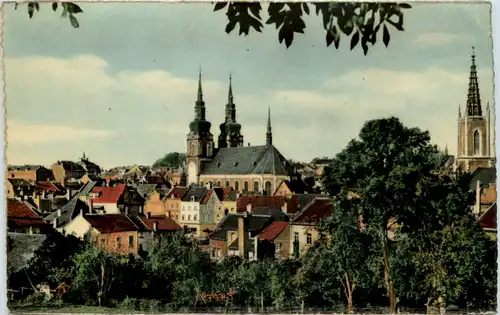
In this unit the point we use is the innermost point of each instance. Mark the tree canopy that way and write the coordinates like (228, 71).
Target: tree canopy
(361, 22)
(170, 160)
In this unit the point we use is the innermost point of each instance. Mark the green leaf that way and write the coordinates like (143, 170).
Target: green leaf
(74, 8)
(306, 8)
(354, 40)
(31, 9)
(74, 22)
(404, 5)
(220, 5)
(54, 6)
(386, 36)
(230, 26)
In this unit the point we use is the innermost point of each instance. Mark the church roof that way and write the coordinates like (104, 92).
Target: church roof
(265, 159)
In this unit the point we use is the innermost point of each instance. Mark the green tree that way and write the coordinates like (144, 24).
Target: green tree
(97, 272)
(447, 245)
(361, 22)
(383, 169)
(170, 160)
(346, 247)
(53, 261)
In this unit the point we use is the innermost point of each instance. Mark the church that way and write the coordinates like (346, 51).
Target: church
(475, 145)
(248, 169)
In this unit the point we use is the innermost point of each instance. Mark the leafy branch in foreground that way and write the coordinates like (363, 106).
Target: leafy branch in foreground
(69, 9)
(361, 21)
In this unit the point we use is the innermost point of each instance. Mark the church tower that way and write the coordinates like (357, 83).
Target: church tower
(474, 134)
(200, 144)
(269, 133)
(230, 130)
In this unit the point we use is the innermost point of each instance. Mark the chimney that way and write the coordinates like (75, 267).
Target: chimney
(249, 207)
(31, 230)
(126, 210)
(477, 207)
(55, 223)
(243, 235)
(59, 212)
(155, 226)
(148, 215)
(91, 205)
(141, 209)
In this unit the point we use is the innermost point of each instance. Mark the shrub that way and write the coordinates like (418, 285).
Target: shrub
(130, 303)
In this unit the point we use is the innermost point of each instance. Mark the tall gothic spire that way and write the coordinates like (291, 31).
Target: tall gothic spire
(269, 133)
(200, 90)
(230, 93)
(473, 106)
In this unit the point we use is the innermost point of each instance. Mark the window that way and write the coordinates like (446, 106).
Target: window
(245, 186)
(195, 217)
(255, 186)
(201, 183)
(131, 241)
(476, 142)
(182, 217)
(227, 184)
(295, 237)
(218, 184)
(189, 217)
(309, 239)
(268, 188)
(277, 247)
(226, 211)
(118, 242)
(237, 186)
(103, 242)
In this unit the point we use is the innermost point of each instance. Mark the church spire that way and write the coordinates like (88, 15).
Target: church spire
(269, 133)
(200, 90)
(473, 106)
(230, 93)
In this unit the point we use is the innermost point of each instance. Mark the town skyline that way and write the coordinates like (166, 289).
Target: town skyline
(110, 100)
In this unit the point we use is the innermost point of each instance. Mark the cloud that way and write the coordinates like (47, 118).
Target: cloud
(127, 117)
(22, 133)
(432, 39)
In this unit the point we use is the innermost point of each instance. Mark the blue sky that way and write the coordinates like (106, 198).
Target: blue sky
(122, 87)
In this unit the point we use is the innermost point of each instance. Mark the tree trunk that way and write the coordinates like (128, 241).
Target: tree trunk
(387, 275)
(349, 290)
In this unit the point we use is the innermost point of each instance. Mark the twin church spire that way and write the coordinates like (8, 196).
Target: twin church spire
(230, 129)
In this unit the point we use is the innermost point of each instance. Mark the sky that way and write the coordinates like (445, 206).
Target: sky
(122, 87)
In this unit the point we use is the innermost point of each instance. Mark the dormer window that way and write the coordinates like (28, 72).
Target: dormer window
(218, 164)
(254, 163)
(235, 164)
(192, 198)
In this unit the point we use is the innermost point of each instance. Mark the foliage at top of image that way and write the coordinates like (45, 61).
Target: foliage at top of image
(361, 22)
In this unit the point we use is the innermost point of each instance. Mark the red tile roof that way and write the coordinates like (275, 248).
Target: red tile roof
(314, 212)
(164, 223)
(488, 220)
(108, 194)
(47, 187)
(177, 192)
(111, 223)
(272, 230)
(205, 198)
(21, 214)
(274, 202)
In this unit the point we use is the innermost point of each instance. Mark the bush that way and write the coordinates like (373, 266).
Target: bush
(130, 304)
(151, 306)
(37, 298)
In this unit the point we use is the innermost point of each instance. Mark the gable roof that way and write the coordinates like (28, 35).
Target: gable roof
(111, 223)
(265, 159)
(297, 186)
(68, 212)
(71, 166)
(145, 190)
(488, 220)
(272, 230)
(196, 193)
(108, 194)
(256, 223)
(485, 175)
(49, 187)
(314, 212)
(22, 249)
(206, 197)
(177, 192)
(232, 196)
(258, 201)
(164, 223)
(22, 214)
